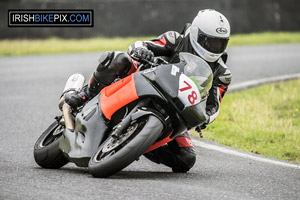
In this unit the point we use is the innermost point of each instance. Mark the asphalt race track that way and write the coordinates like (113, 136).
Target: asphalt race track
(30, 88)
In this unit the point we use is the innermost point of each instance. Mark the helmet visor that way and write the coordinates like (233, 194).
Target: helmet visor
(210, 43)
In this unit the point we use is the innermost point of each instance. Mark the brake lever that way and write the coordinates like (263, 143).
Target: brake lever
(152, 64)
(163, 61)
(134, 57)
(143, 62)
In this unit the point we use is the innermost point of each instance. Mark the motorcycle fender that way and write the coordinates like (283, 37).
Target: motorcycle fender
(144, 112)
(163, 138)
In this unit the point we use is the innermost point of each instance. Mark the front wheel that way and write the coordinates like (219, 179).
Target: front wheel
(117, 153)
(46, 149)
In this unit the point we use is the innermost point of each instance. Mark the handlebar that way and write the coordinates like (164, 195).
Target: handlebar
(157, 61)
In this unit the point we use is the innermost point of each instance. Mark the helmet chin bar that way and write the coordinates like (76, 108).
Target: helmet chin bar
(210, 57)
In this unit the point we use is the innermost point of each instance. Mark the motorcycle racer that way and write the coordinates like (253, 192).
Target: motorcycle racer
(207, 36)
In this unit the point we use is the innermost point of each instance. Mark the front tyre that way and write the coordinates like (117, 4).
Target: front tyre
(117, 153)
(46, 149)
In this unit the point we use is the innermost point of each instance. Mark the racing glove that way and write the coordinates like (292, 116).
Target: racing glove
(142, 53)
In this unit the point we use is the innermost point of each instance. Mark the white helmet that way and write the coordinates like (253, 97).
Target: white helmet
(209, 34)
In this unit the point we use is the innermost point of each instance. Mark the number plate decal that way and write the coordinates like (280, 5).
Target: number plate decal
(188, 92)
(174, 70)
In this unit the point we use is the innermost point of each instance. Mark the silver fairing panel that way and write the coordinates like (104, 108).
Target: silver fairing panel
(90, 129)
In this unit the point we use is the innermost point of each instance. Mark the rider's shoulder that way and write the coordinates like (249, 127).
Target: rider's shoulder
(224, 74)
(172, 36)
(222, 60)
(221, 63)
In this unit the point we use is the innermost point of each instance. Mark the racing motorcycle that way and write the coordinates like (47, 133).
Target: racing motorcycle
(128, 118)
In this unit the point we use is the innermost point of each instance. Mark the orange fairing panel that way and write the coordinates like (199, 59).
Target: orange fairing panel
(117, 95)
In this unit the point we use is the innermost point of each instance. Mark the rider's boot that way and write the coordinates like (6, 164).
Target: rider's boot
(77, 99)
(178, 154)
(111, 65)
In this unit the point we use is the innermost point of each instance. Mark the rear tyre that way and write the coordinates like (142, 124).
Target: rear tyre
(46, 149)
(116, 154)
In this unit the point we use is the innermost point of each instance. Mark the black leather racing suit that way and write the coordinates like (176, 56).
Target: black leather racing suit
(179, 154)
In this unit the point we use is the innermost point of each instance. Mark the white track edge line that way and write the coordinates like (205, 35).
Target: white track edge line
(254, 83)
(243, 155)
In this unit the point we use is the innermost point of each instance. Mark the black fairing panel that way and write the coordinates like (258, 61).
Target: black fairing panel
(145, 88)
(166, 78)
(194, 115)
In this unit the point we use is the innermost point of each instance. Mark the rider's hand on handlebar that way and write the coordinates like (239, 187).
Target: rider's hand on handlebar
(143, 54)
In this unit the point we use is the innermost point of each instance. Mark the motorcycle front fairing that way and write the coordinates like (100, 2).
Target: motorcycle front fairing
(185, 85)
(90, 130)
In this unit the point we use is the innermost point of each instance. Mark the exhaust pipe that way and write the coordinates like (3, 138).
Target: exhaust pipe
(69, 120)
(74, 84)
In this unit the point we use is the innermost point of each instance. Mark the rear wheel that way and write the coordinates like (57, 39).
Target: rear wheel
(117, 153)
(46, 149)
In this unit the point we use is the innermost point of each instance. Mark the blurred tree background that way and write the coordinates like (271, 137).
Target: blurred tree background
(152, 17)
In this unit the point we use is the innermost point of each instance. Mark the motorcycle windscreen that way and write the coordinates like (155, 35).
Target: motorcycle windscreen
(198, 71)
(194, 85)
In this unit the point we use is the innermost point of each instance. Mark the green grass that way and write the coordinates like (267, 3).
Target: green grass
(56, 45)
(265, 38)
(263, 120)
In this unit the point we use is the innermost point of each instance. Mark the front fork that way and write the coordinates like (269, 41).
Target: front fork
(119, 128)
(137, 112)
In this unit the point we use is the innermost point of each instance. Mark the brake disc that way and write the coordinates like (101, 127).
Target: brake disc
(113, 143)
